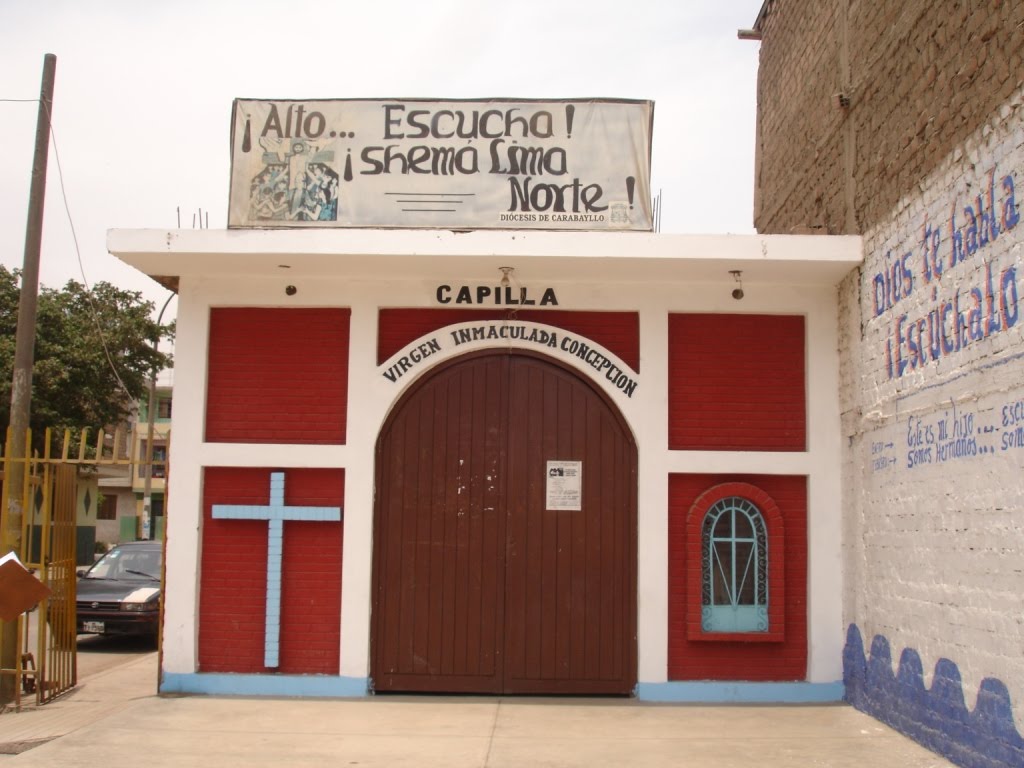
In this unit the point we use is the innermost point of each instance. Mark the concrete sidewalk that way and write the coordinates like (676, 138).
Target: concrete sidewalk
(114, 719)
(96, 697)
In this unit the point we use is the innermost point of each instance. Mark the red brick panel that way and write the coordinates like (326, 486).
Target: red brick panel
(783, 656)
(618, 332)
(277, 375)
(736, 382)
(233, 583)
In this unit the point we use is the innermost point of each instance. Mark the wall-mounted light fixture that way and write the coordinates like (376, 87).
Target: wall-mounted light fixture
(737, 275)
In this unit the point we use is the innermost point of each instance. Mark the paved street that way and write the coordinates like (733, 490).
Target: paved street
(97, 653)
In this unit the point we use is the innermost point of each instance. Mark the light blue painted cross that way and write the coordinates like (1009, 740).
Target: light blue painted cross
(275, 513)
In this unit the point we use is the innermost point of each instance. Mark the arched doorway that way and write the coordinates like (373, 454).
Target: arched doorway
(477, 585)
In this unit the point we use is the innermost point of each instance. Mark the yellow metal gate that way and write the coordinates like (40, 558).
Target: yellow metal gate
(43, 488)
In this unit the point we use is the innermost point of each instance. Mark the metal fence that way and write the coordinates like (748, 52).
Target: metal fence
(40, 485)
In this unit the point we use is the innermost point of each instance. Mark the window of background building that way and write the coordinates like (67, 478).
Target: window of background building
(107, 509)
(159, 460)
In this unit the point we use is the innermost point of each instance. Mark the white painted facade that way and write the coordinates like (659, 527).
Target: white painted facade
(934, 509)
(364, 270)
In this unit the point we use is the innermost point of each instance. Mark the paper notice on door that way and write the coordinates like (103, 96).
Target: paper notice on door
(565, 485)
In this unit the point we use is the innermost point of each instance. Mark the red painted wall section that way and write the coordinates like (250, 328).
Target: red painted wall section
(780, 659)
(737, 383)
(277, 375)
(233, 583)
(618, 332)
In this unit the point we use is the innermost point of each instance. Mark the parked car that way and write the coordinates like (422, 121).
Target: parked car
(120, 593)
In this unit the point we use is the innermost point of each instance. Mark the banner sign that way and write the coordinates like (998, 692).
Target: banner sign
(489, 164)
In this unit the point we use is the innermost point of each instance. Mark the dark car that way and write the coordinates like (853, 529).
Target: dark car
(120, 594)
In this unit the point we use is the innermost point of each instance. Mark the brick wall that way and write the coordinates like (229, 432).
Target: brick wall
(932, 398)
(798, 175)
(233, 583)
(921, 78)
(277, 375)
(931, 347)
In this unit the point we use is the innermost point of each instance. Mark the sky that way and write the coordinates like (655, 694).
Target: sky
(143, 93)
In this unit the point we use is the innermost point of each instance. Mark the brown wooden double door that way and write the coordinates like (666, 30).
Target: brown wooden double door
(477, 586)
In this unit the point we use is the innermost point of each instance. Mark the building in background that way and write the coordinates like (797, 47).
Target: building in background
(902, 122)
(121, 487)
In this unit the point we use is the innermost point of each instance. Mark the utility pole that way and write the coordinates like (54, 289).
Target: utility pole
(24, 358)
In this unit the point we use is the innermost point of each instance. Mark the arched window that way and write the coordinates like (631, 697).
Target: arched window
(734, 567)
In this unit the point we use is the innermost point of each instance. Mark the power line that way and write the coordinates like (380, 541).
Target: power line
(81, 265)
(78, 251)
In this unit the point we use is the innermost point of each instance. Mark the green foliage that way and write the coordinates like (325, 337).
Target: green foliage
(73, 383)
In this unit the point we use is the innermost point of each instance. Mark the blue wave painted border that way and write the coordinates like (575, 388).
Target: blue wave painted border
(938, 717)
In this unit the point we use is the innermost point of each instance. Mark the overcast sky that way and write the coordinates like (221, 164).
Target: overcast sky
(142, 103)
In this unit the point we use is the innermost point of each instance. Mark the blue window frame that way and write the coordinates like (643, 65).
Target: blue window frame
(734, 568)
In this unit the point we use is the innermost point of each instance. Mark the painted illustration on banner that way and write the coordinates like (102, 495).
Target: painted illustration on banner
(581, 165)
(296, 183)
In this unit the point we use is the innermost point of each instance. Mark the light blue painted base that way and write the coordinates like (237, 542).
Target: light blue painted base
(264, 685)
(716, 692)
(705, 692)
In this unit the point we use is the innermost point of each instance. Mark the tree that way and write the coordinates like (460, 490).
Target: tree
(74, 383)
